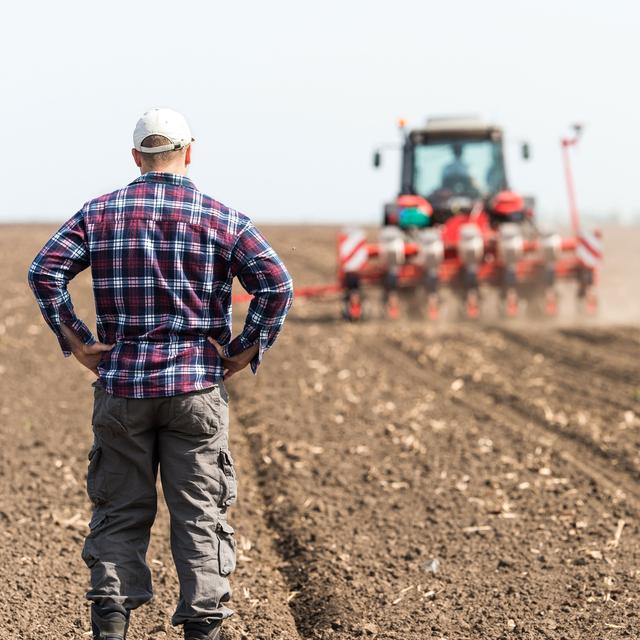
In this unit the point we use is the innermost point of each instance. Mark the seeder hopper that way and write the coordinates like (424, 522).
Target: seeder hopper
(457, 225)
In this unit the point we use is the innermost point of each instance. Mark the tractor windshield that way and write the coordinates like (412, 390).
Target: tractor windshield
(472, 168)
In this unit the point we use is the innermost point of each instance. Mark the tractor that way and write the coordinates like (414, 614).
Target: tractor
(456, 223)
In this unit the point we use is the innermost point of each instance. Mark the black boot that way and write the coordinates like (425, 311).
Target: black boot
(202, 630)
(111, 625)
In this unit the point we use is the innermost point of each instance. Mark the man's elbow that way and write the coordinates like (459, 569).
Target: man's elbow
(288, 291)
(281, 296)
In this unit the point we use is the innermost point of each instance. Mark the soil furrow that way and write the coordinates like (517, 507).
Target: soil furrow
(617, 341)
(559, 377)
(619, 370)
(260, 592)
(296, 558)
(577, 401)
(495, 399)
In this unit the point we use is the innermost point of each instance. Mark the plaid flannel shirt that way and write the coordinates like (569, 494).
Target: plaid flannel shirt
(163, 256)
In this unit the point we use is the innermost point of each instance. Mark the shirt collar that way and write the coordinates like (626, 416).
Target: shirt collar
(166, 178)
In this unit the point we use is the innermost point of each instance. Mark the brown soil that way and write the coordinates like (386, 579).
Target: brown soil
(398, 480)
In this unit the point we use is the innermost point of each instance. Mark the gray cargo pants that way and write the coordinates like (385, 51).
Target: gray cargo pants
(187, 436)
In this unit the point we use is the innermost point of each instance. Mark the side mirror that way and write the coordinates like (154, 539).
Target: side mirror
(526, 151)
(377, 159)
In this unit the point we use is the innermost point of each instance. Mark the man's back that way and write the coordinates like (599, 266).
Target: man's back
(162, 257)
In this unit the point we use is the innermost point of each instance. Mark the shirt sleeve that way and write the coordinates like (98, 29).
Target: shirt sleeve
(262, 273)
(64, 256)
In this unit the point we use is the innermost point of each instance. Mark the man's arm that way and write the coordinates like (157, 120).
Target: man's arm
(263, 275)
(64, 256)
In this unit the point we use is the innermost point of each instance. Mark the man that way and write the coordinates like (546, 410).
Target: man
(457, 168)
(162, 257)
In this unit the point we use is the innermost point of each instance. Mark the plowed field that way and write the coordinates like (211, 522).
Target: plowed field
(398, 480)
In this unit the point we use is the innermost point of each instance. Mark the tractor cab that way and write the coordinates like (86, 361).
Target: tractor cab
(453, 164)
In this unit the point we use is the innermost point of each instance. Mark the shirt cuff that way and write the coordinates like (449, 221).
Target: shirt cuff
(242, 343)
(263, 345)
(82, 332)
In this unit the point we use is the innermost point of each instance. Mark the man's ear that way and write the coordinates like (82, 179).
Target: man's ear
(136, 157)
(187, 157)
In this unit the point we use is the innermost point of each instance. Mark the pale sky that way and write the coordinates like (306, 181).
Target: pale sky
(288, 98)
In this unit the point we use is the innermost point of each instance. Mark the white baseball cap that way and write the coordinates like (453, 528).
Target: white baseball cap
(162, 122)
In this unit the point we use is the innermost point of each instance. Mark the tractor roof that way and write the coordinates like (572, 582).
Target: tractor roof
(454, 126)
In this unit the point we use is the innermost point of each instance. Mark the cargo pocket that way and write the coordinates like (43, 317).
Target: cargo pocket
(109, 411)
(90, 553)
(226, 548)
(228, 481)
(95, 483)
(196, 413)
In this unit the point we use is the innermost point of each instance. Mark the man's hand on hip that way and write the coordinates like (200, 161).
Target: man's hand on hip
(88, 355)
(235, 363)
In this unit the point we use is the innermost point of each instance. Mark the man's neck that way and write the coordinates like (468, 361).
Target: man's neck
(177, 170)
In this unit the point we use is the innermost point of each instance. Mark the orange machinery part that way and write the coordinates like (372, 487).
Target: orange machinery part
(447, 270)
(411, 249)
